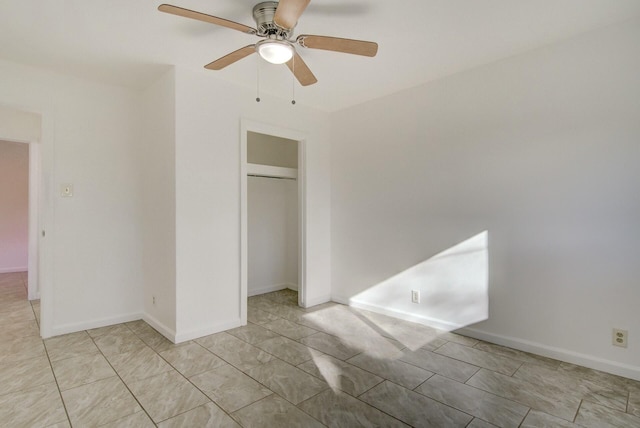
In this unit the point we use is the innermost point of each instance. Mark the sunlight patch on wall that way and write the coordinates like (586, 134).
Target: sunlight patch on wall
(453, 288)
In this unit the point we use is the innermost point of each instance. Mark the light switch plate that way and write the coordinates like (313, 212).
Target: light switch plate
(66, 190)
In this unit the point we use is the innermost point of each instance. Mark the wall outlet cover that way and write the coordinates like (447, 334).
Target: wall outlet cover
(620, 337)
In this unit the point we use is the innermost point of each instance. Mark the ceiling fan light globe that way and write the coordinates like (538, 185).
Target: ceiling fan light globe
(275, 52)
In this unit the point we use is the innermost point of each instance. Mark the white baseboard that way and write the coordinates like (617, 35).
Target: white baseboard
(396, 313)
(34, 296)
(317, 301)
(628, 371)
(625, 370)
(13, 269)
(271, 289)
(167, 332)
(217, 328)
(88, 325)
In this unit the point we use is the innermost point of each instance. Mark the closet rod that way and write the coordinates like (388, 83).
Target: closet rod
(270, 176)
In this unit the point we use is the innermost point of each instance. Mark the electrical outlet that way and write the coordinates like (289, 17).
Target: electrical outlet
(620, 337)
(153, 299)
(415, 296)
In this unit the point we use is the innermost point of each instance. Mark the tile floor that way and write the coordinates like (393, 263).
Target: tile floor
(327, 366)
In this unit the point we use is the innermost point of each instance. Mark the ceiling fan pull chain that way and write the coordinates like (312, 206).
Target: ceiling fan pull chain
(258, 82)
(293, 80)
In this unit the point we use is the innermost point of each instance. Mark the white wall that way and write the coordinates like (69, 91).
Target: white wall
(17, 125)
(272, 234)
(90, 131)
(14, 206)
(208, 115)
(158, 195)
(542, 151)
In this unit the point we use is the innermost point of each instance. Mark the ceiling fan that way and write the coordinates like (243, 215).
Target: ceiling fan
(275, 22)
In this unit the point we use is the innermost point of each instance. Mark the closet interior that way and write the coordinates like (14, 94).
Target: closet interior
(272, 214)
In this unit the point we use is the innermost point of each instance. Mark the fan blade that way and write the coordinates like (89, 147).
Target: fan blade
(229, 59)
(175, 10)
(288, 12)
(300, 69)
(336, 44)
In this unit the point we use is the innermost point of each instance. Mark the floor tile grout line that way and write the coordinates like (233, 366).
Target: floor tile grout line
(198, 388)
(64, 405)
(118, 374)
(522, 364)
(529, 408)
(525, 417)
(186, 378)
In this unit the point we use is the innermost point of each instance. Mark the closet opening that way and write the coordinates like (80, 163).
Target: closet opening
(272, 241)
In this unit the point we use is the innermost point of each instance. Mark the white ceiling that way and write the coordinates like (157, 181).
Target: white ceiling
(129, 42)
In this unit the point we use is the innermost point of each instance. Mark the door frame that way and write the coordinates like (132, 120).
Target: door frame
(40, 268)
(246, 126)
(33, 291)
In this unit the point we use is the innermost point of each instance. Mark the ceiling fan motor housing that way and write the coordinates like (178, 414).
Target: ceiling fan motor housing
(263, 14)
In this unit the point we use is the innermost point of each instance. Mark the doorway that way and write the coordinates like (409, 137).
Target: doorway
(272, 212)
(18, 223)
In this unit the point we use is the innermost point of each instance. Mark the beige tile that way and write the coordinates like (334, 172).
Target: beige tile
(593, 415)
(287, 381)
(64, 424)
(257, 316)
(331, 345)
(289, 329)
(140, 327)
(139, 364)
(445, 366)
(337, 409)
(206, 416)
(252, 333)
(100, 402)
(111, 329)
(273, 411)
(288, 350)
(481, 404)
(158, 342)
(479, 358)
(634, 401)
(515, 354)
(20, 349)
(192, 359)
(23, 313)
(413, 408)
(38, 406)
(537, 419)
(457, 338)
(229, 388)
(17, 305)
(25, 374)
(19, 330)
(290, 313)
(596, 376)
(285, 297)
(235, 351)
(136, 420)
(396, 371)
(70, 345)
(414, 336)
(119, 343)
(479, 423)
(81, 370)
(553, 401)
(582, 387)
(340, 375)
(166, 395)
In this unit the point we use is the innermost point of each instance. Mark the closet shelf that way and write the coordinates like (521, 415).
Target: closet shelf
(271, 171)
